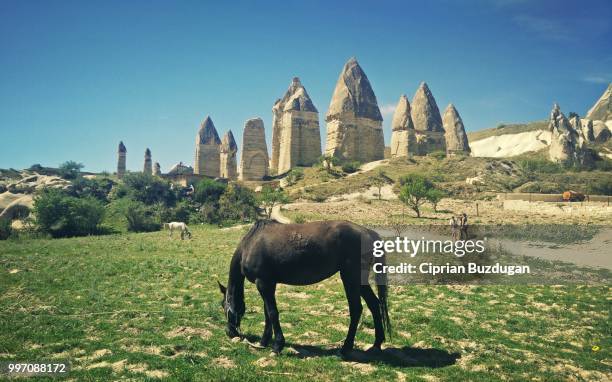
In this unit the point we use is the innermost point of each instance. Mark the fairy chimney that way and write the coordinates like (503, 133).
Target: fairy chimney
(228, 157)
(207, 157)
(122, 152)
(455, 136)
(403, 138)
(254, 153)
(148, 165)
(563, 137)
(427, 121)
(156, 169)
(354, 122)
(296, 139)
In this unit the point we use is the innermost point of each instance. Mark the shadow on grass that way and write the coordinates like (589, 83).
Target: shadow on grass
(392, 356)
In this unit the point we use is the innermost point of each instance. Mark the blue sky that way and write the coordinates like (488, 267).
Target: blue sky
(78, 76)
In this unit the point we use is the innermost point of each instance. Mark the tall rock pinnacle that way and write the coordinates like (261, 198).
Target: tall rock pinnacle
(254, 157)
(403, 139)
(228, 157)
(122, 153)
(207, 160)
(456, 138)
(296, 139)
(427, 121)
(354, 122)
(148, 164)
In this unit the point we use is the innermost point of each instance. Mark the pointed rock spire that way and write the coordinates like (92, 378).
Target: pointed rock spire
(122, 154)
(425, 112)
(122, 148)
(148, 165)
(354, 122)
(602, 110)
(563, 138)
(403, 139)
(254, 158)
(229, 143)
(456, 138)
(354, 94)
(228, 162)
(156, 169)
(207, 157)
(296, 139)
(402, 120)
(208, 133)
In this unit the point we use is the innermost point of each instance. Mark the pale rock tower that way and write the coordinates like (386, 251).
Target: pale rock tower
(156, 169)
(228, 157)
(354, 122)
(427, 121)
(148, 165)
(207, 157)
(296, 138)
(403, 138)
(122, 152)
(254, 154)
(455, 135)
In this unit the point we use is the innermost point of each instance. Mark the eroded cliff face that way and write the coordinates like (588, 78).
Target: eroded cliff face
(354, 122)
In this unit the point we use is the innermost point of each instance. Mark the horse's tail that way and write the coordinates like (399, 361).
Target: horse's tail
(383, 292)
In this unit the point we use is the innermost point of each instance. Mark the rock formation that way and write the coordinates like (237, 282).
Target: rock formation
(455, 136)
(565, 145)
(602, 110)
(180, 169)
(354, 122)
(403, 138)
(427, 121)
(122, 152)
(254, 157)
(296, 139)
(148, 165)
(601, 132)
(207, 157)
(156, 169)
(587, 130)
(228, 157)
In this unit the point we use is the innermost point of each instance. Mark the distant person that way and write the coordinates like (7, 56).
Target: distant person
(454, 228)
(463, 223)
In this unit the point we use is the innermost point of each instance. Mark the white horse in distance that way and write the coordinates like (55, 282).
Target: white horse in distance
(179, 226)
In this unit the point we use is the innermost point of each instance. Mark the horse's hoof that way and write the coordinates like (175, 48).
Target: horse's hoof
(374, 349)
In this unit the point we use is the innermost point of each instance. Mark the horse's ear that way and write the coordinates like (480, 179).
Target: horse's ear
(222, 288)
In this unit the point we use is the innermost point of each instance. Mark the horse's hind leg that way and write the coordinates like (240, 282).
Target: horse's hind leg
(351, 288)
(374, 305)
(267, 333)
(266, 290)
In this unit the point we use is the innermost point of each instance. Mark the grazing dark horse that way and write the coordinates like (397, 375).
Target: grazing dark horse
(304, 254)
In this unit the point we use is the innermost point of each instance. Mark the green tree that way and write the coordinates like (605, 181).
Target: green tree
(237, 203)
(328, 162)
(270, 197)
(294, 175)
(147, 189)
(379, 181)
(208, 191)
(434, 196)
(414, 191)
(70, 169)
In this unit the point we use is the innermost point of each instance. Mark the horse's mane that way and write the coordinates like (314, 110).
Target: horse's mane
(259, 224)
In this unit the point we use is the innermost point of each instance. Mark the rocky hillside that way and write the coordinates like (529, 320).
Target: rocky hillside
(510, 140)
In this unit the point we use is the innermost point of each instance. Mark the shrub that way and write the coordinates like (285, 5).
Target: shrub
(299, 219)
(599, 187)
(140, 218)
(439, 155)
(70, 169)
(350, 167)
(96, 188)
(434, 196)
(147, 189)
(532, 167)
(61, 215)
(238, 203)
(294, 176)
(208, 191)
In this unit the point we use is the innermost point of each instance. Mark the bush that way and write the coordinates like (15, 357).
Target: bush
(294, 176)
(238, 203)
(140, 217)
(599, 187)
(270, 197)
(147, 189)
(539, 166)
(96, 188)
(439, 155)
(208, 191)
(62, 215)
(350, 167)
(70, 169)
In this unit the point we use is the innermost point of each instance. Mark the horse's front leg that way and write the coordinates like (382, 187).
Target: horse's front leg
(267, 289)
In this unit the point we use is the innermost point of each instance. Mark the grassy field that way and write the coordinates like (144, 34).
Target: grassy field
(143, 306)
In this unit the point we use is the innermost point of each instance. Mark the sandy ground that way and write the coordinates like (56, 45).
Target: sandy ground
(508, 145)
(375, 212)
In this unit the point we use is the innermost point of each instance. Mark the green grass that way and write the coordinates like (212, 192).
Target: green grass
(138, 306)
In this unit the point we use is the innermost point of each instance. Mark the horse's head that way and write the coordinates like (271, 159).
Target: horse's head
(233, 313)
